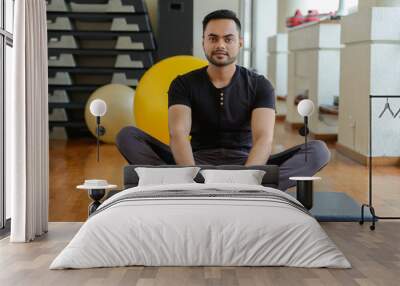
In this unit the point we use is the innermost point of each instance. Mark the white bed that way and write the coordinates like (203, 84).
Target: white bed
(265, 229)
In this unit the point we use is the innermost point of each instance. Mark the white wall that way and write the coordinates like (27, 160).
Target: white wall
(264, 26)
(370, 64)
(200, 9)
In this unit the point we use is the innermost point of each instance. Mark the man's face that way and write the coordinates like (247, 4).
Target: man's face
(221, 42)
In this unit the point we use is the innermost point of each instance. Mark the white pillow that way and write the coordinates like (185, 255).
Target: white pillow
(248, 177)
(162, 176)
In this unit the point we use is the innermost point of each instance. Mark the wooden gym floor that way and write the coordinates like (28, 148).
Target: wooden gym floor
(375, 255)
(71, 162)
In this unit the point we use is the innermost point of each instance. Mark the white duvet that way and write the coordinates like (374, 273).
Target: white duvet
(200, 231)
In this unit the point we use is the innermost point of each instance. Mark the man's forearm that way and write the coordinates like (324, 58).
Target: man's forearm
(260, 153)
(181, 150)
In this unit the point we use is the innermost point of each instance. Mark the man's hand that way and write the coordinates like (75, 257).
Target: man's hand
(262, 128)
(179, 125)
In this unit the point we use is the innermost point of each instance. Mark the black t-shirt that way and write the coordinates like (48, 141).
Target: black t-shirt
(221, 116)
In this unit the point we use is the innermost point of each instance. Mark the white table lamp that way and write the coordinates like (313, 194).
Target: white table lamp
(98, 108)
(305, 108)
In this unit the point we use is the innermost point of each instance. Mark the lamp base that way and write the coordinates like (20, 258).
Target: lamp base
(96, 195)
(305, 193)
(304, 190)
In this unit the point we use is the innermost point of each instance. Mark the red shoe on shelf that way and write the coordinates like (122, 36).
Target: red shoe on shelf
(312, 16)
(296, 20)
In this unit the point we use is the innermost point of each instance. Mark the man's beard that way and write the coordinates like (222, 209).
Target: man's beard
(229, 60)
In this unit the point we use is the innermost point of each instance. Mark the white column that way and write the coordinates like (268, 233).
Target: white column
(314, 61)
(277, 68)
(370, 65)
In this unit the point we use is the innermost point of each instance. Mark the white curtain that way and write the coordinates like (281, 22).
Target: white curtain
(27, 124)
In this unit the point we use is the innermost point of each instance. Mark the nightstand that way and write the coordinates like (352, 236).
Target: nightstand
(304, 190)
(96, 190)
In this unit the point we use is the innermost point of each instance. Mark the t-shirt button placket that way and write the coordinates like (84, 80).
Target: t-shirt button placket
(222, 99)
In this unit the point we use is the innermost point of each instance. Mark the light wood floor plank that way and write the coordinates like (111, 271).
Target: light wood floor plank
(374, 257)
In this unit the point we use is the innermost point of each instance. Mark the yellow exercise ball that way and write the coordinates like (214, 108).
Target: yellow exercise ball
(119, 99)
(151, 98)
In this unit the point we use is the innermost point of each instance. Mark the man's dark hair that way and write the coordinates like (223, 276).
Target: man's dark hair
(221, 14)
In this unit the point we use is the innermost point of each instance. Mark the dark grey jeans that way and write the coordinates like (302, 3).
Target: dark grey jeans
(139, 148)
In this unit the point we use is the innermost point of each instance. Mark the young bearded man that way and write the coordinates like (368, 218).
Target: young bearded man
(229, 112)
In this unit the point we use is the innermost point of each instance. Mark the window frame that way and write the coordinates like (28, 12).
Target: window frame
(6, 39)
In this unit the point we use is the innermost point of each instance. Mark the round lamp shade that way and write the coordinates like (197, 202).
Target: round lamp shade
(118, 100)
(151, 98)
(98, 107)
(305, 107)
